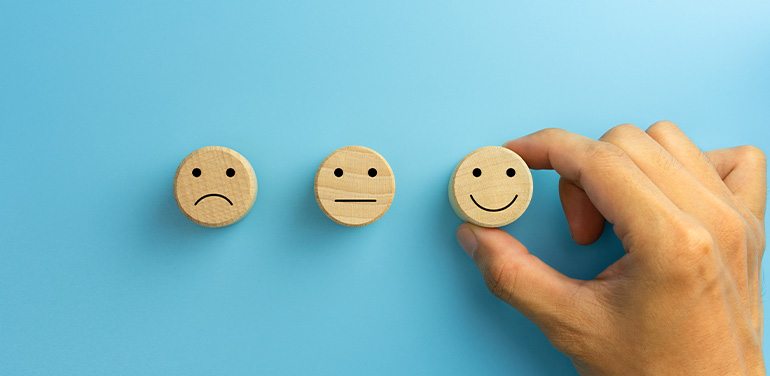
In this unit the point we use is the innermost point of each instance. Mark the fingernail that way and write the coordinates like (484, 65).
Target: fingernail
(467, 240)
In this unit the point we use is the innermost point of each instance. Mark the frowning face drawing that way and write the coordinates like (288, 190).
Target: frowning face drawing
(215, 186)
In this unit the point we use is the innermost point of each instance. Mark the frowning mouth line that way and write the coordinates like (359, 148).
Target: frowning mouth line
(494, 210)
(214, 195)
(355, 200)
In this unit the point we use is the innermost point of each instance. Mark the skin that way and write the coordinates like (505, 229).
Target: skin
(685, 299)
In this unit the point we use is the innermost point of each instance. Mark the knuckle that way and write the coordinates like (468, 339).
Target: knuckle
(552, 132)
(662, 128)
(693, 257)
(729, 220)
(602, 151)
(500, 278)
(620, 132)
(697, 241)
(751, 153)
(733, 230)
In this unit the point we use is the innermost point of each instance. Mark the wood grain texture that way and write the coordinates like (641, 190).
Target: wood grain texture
(347, 192)
(215, 186)
(490, 187)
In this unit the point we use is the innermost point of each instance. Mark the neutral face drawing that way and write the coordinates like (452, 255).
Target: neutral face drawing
(490, 187)
(215, 186)
(354, 186)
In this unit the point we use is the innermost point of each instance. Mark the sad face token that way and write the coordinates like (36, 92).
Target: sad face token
(490, 187)
(215, 186)
(354, 186)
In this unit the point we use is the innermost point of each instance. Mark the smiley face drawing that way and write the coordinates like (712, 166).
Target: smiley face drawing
(490, 187)
(354, 186)
(215, 186)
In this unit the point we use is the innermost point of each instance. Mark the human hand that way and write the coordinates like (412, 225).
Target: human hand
(685, 298)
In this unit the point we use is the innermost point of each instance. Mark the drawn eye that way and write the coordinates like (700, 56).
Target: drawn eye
(230, 172)
(510, 172)
(338, 172)
(196, 172)
(372, 172)
(476, 172)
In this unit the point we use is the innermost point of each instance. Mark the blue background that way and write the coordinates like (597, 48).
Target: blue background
(100, 273)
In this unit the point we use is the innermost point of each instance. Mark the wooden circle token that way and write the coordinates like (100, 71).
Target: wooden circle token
(354, 186)
(490, 187)
(215, 186)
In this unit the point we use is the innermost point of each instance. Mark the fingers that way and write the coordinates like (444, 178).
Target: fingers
(680, 147)
(745, 262)
(517, 277)
(585, 222)
(744, 171)
(667, 173)
(618, 189)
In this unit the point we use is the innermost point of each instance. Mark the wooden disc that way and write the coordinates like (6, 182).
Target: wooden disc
(215, 186)
(354, 186)
(490, 187)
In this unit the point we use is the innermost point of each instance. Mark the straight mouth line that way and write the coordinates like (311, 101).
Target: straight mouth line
(494, 210)
(214, 195)
(355, 200)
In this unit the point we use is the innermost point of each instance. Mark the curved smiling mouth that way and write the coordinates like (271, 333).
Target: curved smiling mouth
(494, 210)
(213, 195)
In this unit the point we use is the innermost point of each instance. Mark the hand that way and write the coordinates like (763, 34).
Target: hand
(685, 298)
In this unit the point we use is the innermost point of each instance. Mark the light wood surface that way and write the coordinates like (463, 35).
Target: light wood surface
(215, 186)
(346, 191)
(490, 187)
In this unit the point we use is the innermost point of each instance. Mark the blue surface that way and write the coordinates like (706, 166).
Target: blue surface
(100, 273)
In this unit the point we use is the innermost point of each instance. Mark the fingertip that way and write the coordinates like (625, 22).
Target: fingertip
(586, 228)
(533, 148)
(587, 238)
(585, 222)
(494, 241)
(467, 238)
(478, 241)
(514, 144)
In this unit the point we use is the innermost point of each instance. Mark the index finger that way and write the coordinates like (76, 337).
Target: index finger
(621, 192)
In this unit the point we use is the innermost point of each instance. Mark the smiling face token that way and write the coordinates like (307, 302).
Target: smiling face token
(490, 187)
(354, 186)
(215, 186)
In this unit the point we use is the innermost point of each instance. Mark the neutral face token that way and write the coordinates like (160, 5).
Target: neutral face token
(215, 186)
(354, 186)
(490, 187)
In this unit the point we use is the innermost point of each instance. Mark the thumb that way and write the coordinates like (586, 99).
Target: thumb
(542, 294)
